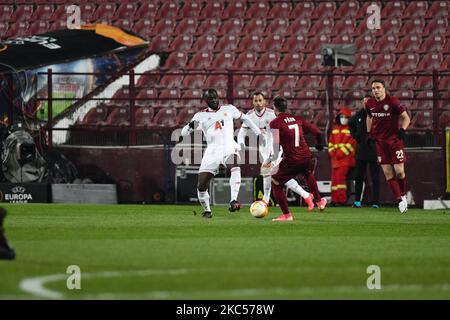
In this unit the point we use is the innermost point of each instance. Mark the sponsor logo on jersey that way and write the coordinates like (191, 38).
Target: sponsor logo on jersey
(381, 114)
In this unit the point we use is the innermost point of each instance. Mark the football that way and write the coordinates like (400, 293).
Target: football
(259, 209)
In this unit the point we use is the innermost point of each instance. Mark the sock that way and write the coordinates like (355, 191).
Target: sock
(395, 188)
(294, 186)
(235, 183)
(203, 198)
(312, 186)
(267, 185)
(280, 196)
(402, 185)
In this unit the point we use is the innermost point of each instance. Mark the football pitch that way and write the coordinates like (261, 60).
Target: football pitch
(167, 252)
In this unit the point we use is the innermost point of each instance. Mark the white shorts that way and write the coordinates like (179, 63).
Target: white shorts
(212, 159)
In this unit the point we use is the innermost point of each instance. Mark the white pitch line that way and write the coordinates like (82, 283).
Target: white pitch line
(36, 285)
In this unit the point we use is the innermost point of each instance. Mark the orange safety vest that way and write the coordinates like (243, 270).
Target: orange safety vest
(341, 147)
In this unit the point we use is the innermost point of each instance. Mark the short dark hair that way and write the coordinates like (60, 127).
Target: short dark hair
(379, 81)
(258, 93)
(280, 103)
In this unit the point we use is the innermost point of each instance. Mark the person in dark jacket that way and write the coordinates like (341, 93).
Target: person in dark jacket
(365, 155)
(6, 252)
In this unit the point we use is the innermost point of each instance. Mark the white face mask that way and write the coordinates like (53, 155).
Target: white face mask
(344, 121)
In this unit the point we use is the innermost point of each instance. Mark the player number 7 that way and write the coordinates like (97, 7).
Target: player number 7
(296, 132)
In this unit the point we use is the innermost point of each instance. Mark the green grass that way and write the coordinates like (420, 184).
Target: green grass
(165, 252)
(58, 106)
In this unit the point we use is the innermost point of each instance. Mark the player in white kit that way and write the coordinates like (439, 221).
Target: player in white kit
(262, 116)
(217, 124)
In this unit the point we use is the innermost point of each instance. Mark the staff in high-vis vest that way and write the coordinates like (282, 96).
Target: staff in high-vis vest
(341, 147)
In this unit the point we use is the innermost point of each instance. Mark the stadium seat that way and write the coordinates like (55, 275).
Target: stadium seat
(261, 82)
(387, 43)
(191, 98)
(314, 43)
(190, 9)
(163, 26)
(343, 39)
(235, 9)
(146, 97)
(22, 13)
(169, 97)
(159, 43)
(185, 116)
(205, 43)
(18, 29)
(283, 82)
(125, 11)
(393, 9)
(423, 120)
(182, 42)
(444, 120)
(268, 61)
(416, 9)
(58, 25)
(95, 115)
(313, 62)
(444, 83)
(324, 10)
(119, 116)
(436, 26)
(294, 44)
(438, 9)
(322, 26)
(242, 81)
(176, 60)
(285, 93)
(347, 9)
(445, 65)
(208, 27)
(432, 44)
(4, 26)
(166, 117)
(353, 98)
(193, 81)
(143, 116)
(231, 26)
(320, 119)
(424, 82)
(227, 43)
(402, 82)
(272, 43)
(224, 60)
(168, 10)
(298, 26)
(302, 10)
(170, 81)
(343, 26)
(258, 9)
(245, 61)
(355, 83)
(125, 24)
(423, 101)
(251, 42)
(217, 81)
(6, 12)
(416, 25)
(406, 63)
(308, 82)
(242, 98)
(307, 98)
(254, 27)
(389, 26)
(383, 62)
(38, 27)
(365, 43)
(406, 96)
(362, 61)
(147, 10)
(186, 26)
(212, 9)
(429, 62)
(409, 43)
(291, 62)
(280, 10)
(277, 26)
(105, 11)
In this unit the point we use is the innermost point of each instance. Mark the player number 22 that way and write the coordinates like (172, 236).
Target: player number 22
(296, 133)
(399, 154)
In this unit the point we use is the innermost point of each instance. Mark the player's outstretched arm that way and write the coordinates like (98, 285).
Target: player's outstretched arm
(311, 128)
(249, 123)
(241, 136)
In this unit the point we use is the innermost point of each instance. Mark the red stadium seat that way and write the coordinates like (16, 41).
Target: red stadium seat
(283, 82)
(125, 11)
(291, 62)
(224, 60)
(387, 43)
(183, 42)
(444, 120)
(302, 10)
(352, 98)
(166, 117)
(409, 43)
(280, 10)
(438, 9)
(209, 26)
(18, 29)
(433, 43)
(169, 97)
(320, 120)
(242, 81)
(295, 43)
(418, 104)
(216, 81)
(315, 43)
(241, 98)
(322, 26)
(170, 81)
(383, 62)
(254, 26)
(38, 27)
(365, 43)
(347, 9)
(436, 26)
(58, 25)
(22, 13)
(423, 120)
(257, 9)
(402, 82)
(204, 43)
(168, 10)
(4, 26)
(393, 9)
(299, 26)
(185, 115)
(416, 25)
(285, 93)
(362, 61)
(95, 115)
(355, 83)
(251, 42)
(343, 39)
(232, 26)
(389, 26)
(324, 10)
(163, 26)
(105, 11)
(191, 98)
(187, 26)
(407, 62)
(277, 26)
(444, 83)
(176, 60)
(445, 65)
(119, 116)
(124, 24)
(272, 43)
(406, 96)
(309, 82)
(213, 9)
(146, 97)
(424, 83)
(158, 43)
(416, 9)
(268, 61)
(429, 62)
(147, 10)
(235, 9)
(260, 82)
(343, 26)
(313, 62)
(227, 43)
(307, 98)
(193, 81)
(190, 9)
(143, 116)
(6, 12)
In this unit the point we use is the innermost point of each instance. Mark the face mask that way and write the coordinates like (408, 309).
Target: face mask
(344, 121)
